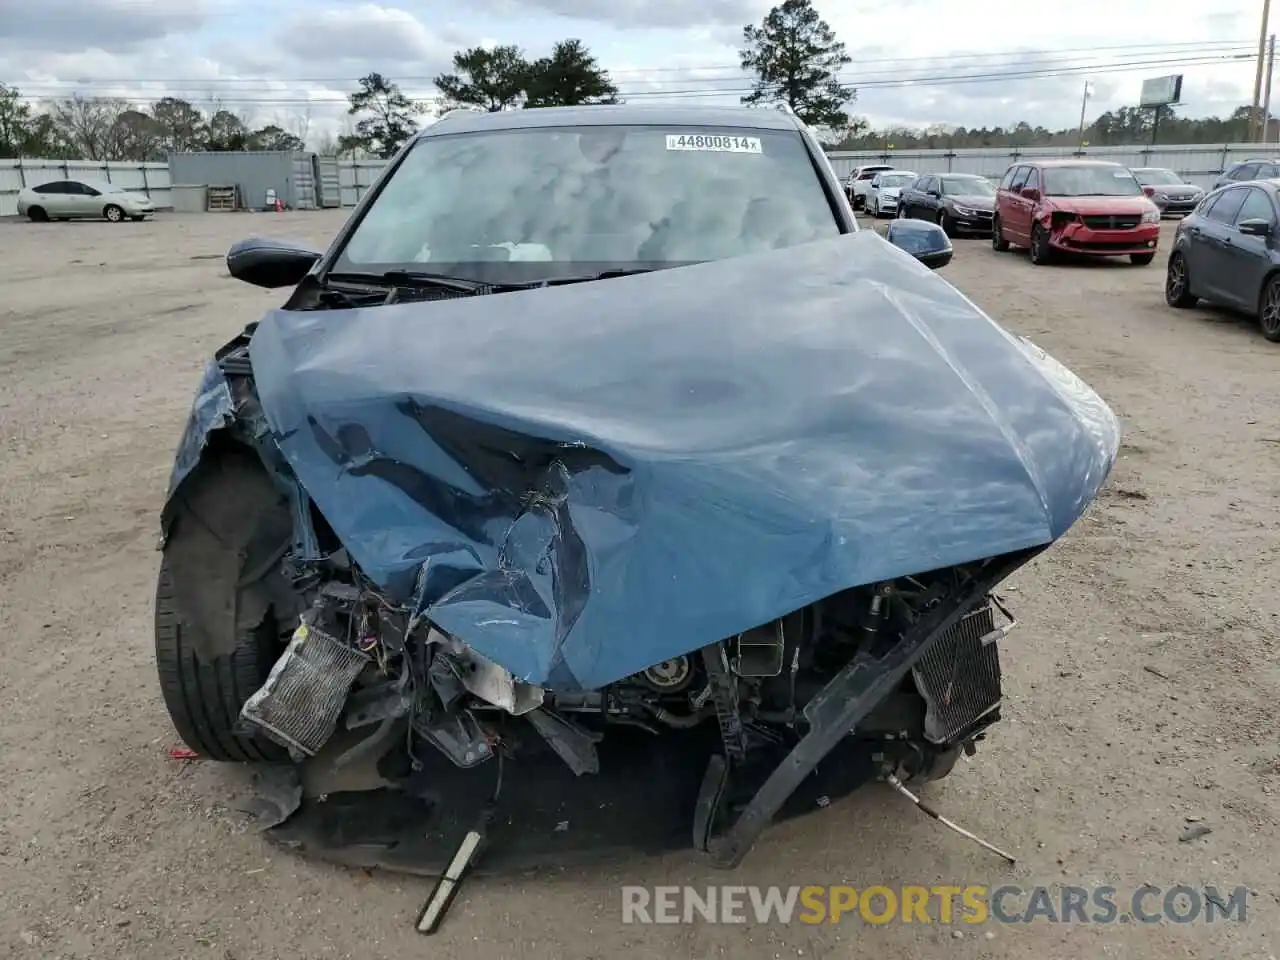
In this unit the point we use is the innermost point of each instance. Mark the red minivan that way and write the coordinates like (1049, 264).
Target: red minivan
(1088, 207)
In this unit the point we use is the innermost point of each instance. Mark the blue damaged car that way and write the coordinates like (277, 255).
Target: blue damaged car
(604, 477)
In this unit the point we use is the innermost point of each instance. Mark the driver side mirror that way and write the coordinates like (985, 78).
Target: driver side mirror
(925, 241)
(1031, 193)
(269, 263)
(1256, 227)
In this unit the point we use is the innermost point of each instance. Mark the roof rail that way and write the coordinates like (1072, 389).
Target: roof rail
(463, 108)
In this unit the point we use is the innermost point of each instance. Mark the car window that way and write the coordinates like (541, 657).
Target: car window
(83, 189)
(924, 184)
(57, 186)
(1019, 178)
(1266, 171)
(1245, 171)
(1006, 182)
(1156, 176)
(1226, 207)
(1090, 181)
(967, 187)
(1033, 179)
(576, 200)
(1256, 206)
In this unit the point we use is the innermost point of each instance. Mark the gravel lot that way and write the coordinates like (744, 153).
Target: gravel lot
(1142, 686)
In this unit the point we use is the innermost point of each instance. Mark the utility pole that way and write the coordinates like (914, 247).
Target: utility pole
(1255, 123)
(1266, 98)
(1084, 100)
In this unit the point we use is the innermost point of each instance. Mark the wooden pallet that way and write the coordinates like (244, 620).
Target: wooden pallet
(223, 199)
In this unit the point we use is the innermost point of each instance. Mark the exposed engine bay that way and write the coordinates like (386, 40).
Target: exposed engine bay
(659, 584)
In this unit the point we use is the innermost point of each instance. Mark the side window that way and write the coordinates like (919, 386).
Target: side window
(1246, 171)
(1033, 178)
(925, 184)
(58, 186)
(1006, 182)
(1256, 206)
(1019, 179)
(83, 189)
(1266, 171)
(1226, 207)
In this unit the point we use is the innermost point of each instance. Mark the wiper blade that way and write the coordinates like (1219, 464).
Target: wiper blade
(413, 278)
(603, 275)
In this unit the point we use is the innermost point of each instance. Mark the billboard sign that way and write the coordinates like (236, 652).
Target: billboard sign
(1161, 91)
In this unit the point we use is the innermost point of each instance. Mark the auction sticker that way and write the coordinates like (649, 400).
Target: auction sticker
(714, 143)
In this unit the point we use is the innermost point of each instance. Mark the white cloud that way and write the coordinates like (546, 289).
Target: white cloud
(288, 59)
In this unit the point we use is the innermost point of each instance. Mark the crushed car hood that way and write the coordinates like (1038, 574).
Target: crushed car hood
(582, 481)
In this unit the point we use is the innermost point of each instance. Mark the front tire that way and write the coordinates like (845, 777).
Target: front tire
(998, 242)
(945, 223)
(1177, 283)
(1041, 252)
(113, 213)
(37, 215)
(204, 695)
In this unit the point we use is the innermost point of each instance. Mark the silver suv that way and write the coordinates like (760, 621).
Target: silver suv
(1261, 169)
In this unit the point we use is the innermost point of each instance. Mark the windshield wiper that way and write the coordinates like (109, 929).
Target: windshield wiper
(603, 275)
(413, 278)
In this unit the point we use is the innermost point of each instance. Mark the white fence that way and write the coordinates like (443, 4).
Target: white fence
(149, 178)
(1199, 163)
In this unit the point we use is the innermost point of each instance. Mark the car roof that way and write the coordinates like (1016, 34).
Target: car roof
(620, 114)
(1063, 162)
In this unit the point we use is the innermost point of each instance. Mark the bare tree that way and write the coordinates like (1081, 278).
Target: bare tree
(298, 123)
(88, 124)
(327, 145)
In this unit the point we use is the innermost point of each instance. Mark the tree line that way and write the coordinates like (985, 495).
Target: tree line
(793, 54)
(1127, 126)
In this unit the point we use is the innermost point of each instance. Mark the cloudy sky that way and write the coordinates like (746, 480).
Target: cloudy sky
(915, 62)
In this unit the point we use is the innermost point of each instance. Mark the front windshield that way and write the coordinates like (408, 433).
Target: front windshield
(1156, 178)
(1090, 182)
(896, 179)
(967, 187)
(518, 205)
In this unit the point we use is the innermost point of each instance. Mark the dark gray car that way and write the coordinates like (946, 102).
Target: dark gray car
(1243, 170)
(958, 202)
(1228, 251)
(1168, 191)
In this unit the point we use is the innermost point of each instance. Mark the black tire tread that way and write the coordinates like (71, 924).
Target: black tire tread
(204, 696)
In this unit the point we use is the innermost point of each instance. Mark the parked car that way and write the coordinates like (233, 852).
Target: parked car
(859, 182)
(83, 200)
(1168, 191)
(428, 502)
(1244, 170)
(1226, 252)
(884, 190)
(957, 202)
(1087, 207)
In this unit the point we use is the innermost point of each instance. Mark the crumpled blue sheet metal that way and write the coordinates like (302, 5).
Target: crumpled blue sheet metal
(582, 481)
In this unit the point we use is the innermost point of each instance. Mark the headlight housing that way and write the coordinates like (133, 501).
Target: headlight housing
(1161, 197)
(1151, 216)
(965, 211)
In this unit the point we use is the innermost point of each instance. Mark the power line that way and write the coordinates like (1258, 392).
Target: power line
(1045, 58)
(743, 86)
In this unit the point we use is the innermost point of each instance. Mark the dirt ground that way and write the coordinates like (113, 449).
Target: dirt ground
(1142, 685)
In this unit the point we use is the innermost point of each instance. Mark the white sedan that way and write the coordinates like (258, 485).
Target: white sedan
(886, 188)
(81, 199)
